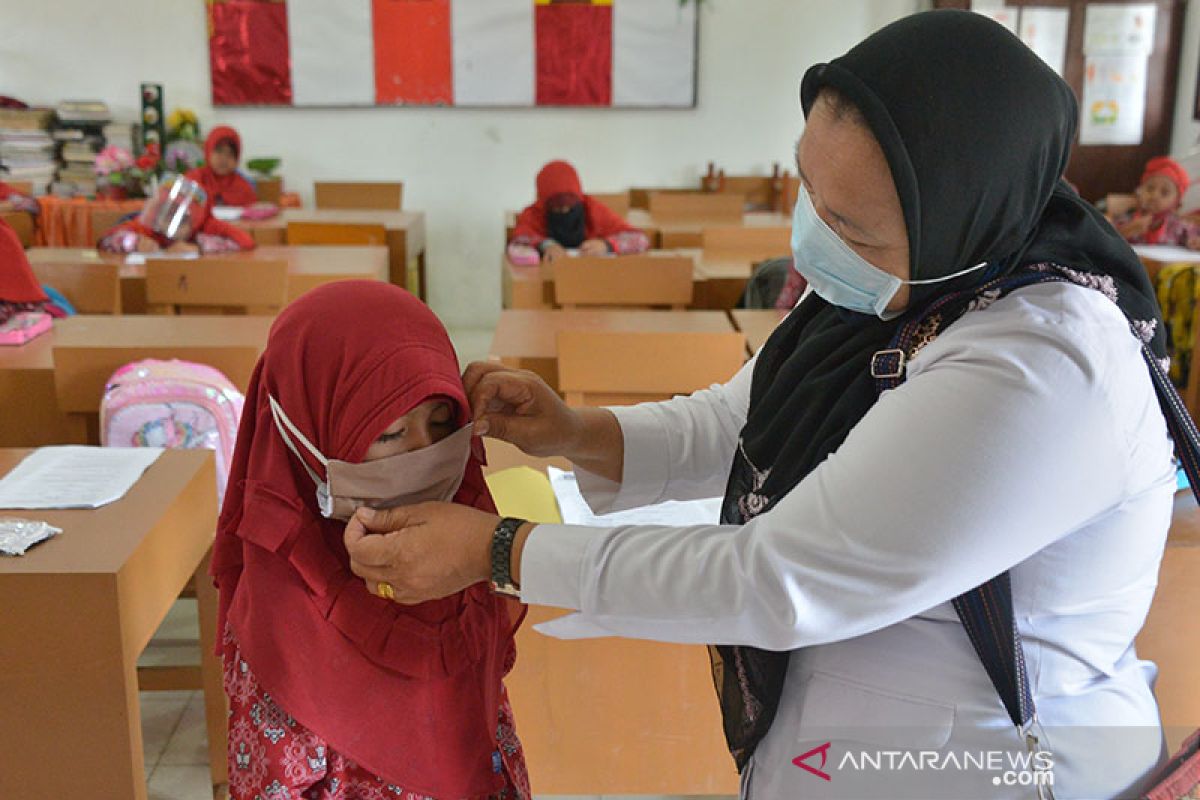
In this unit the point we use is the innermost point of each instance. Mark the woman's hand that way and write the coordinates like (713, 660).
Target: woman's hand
(146, 245)
(424, 551)
(594, 247)
(1136, 226)
(517, 406)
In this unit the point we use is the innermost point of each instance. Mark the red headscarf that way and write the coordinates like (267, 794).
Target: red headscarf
(558, 178)
(1169, 168)
(410, 693)
(17, 281)
(223, 190)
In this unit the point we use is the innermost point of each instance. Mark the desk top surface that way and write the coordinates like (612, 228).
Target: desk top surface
(530, 333)
(101, 540)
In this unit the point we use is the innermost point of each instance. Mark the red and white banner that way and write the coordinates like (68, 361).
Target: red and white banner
(453, 52)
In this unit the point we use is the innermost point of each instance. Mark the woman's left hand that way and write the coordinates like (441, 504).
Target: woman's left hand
(424, 551)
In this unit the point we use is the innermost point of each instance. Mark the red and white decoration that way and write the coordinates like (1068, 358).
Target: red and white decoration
(624, 53)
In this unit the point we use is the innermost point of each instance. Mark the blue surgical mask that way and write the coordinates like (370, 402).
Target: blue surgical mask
(838, 274)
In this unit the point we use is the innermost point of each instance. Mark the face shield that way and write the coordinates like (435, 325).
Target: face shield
(176, 210)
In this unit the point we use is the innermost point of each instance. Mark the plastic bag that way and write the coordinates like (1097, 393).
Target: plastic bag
(18, 535)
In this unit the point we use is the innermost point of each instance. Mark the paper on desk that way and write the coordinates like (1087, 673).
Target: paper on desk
(75, 477)
(575, 510)
(141, 258)
(1167, 254)
(523, 492)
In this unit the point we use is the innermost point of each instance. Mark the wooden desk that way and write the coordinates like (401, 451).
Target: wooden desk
(405, 236)
(526, 338)
(613, 716)
(78, 611)
(757, 324)
(67, 221)
(87, 350)
(672, 235)
(22, 223)
(309, 266)
(1171, 635)
(717, 281)
(31, 416)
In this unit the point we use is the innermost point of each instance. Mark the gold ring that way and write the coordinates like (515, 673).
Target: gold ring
(386, 591)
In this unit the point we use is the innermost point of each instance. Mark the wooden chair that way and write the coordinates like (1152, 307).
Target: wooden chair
(246, 286)
(104, 220)
(335, 233)
(269, 190)
(359, 195)
(607, 367)
(617, 202)
(756, 243)
(22, 224)
(788, 193)
(697, 207)
(623, 281)
(639, 197)
(1117, 204)
(92, 287)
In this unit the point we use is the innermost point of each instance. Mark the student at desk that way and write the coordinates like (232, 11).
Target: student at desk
(219, 176)
(12, 200)
(19, 288)
(177, 219)
(565, 218)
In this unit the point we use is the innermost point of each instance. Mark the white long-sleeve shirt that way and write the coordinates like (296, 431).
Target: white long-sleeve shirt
(1027, 437)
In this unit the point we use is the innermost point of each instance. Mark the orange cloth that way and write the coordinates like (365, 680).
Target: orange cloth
(68, 222)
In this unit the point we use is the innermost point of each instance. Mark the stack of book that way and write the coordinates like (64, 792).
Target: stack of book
(26, 149)
(80, 130)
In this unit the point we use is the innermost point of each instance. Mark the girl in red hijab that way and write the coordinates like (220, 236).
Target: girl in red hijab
(19, 288)
(565, 218)
(1156, 219)
(219, 175)
(336, 692)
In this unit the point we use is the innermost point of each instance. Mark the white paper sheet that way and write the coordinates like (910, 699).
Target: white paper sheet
(75, 477)
(1114, 100)
(1044, 31)
(142, 258)
(575, 510)
(1114, 29)
(1167, 254)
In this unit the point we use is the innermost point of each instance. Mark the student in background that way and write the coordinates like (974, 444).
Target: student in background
(1156, 219)
(19, 288)
(565, 218)
(335, 689)
(219, 175)
(177, 219)
(12, 200)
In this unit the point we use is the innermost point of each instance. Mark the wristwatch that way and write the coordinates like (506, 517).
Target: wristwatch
(502, 544)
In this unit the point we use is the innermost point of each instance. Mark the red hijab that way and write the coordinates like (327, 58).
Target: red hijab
(17, 281)
(223, 190)
(411, 693)
(560, 178)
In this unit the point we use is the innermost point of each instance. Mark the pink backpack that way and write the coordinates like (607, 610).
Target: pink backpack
(176, 404)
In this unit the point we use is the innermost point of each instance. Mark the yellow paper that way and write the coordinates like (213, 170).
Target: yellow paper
(524, 492)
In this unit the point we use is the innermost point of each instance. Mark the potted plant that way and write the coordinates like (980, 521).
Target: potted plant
(268, 186)
(119, 175)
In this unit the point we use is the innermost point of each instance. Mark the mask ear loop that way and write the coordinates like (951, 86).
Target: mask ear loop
(284, 426)
(958, 274)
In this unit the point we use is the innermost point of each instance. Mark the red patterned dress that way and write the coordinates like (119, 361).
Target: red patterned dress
(274, 757)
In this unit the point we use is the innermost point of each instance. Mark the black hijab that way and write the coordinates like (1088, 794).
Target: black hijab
(977, 131)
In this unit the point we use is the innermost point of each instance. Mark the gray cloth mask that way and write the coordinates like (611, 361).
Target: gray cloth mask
(431, 473)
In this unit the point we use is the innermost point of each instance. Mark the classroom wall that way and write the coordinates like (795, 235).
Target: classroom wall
(462, 167)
